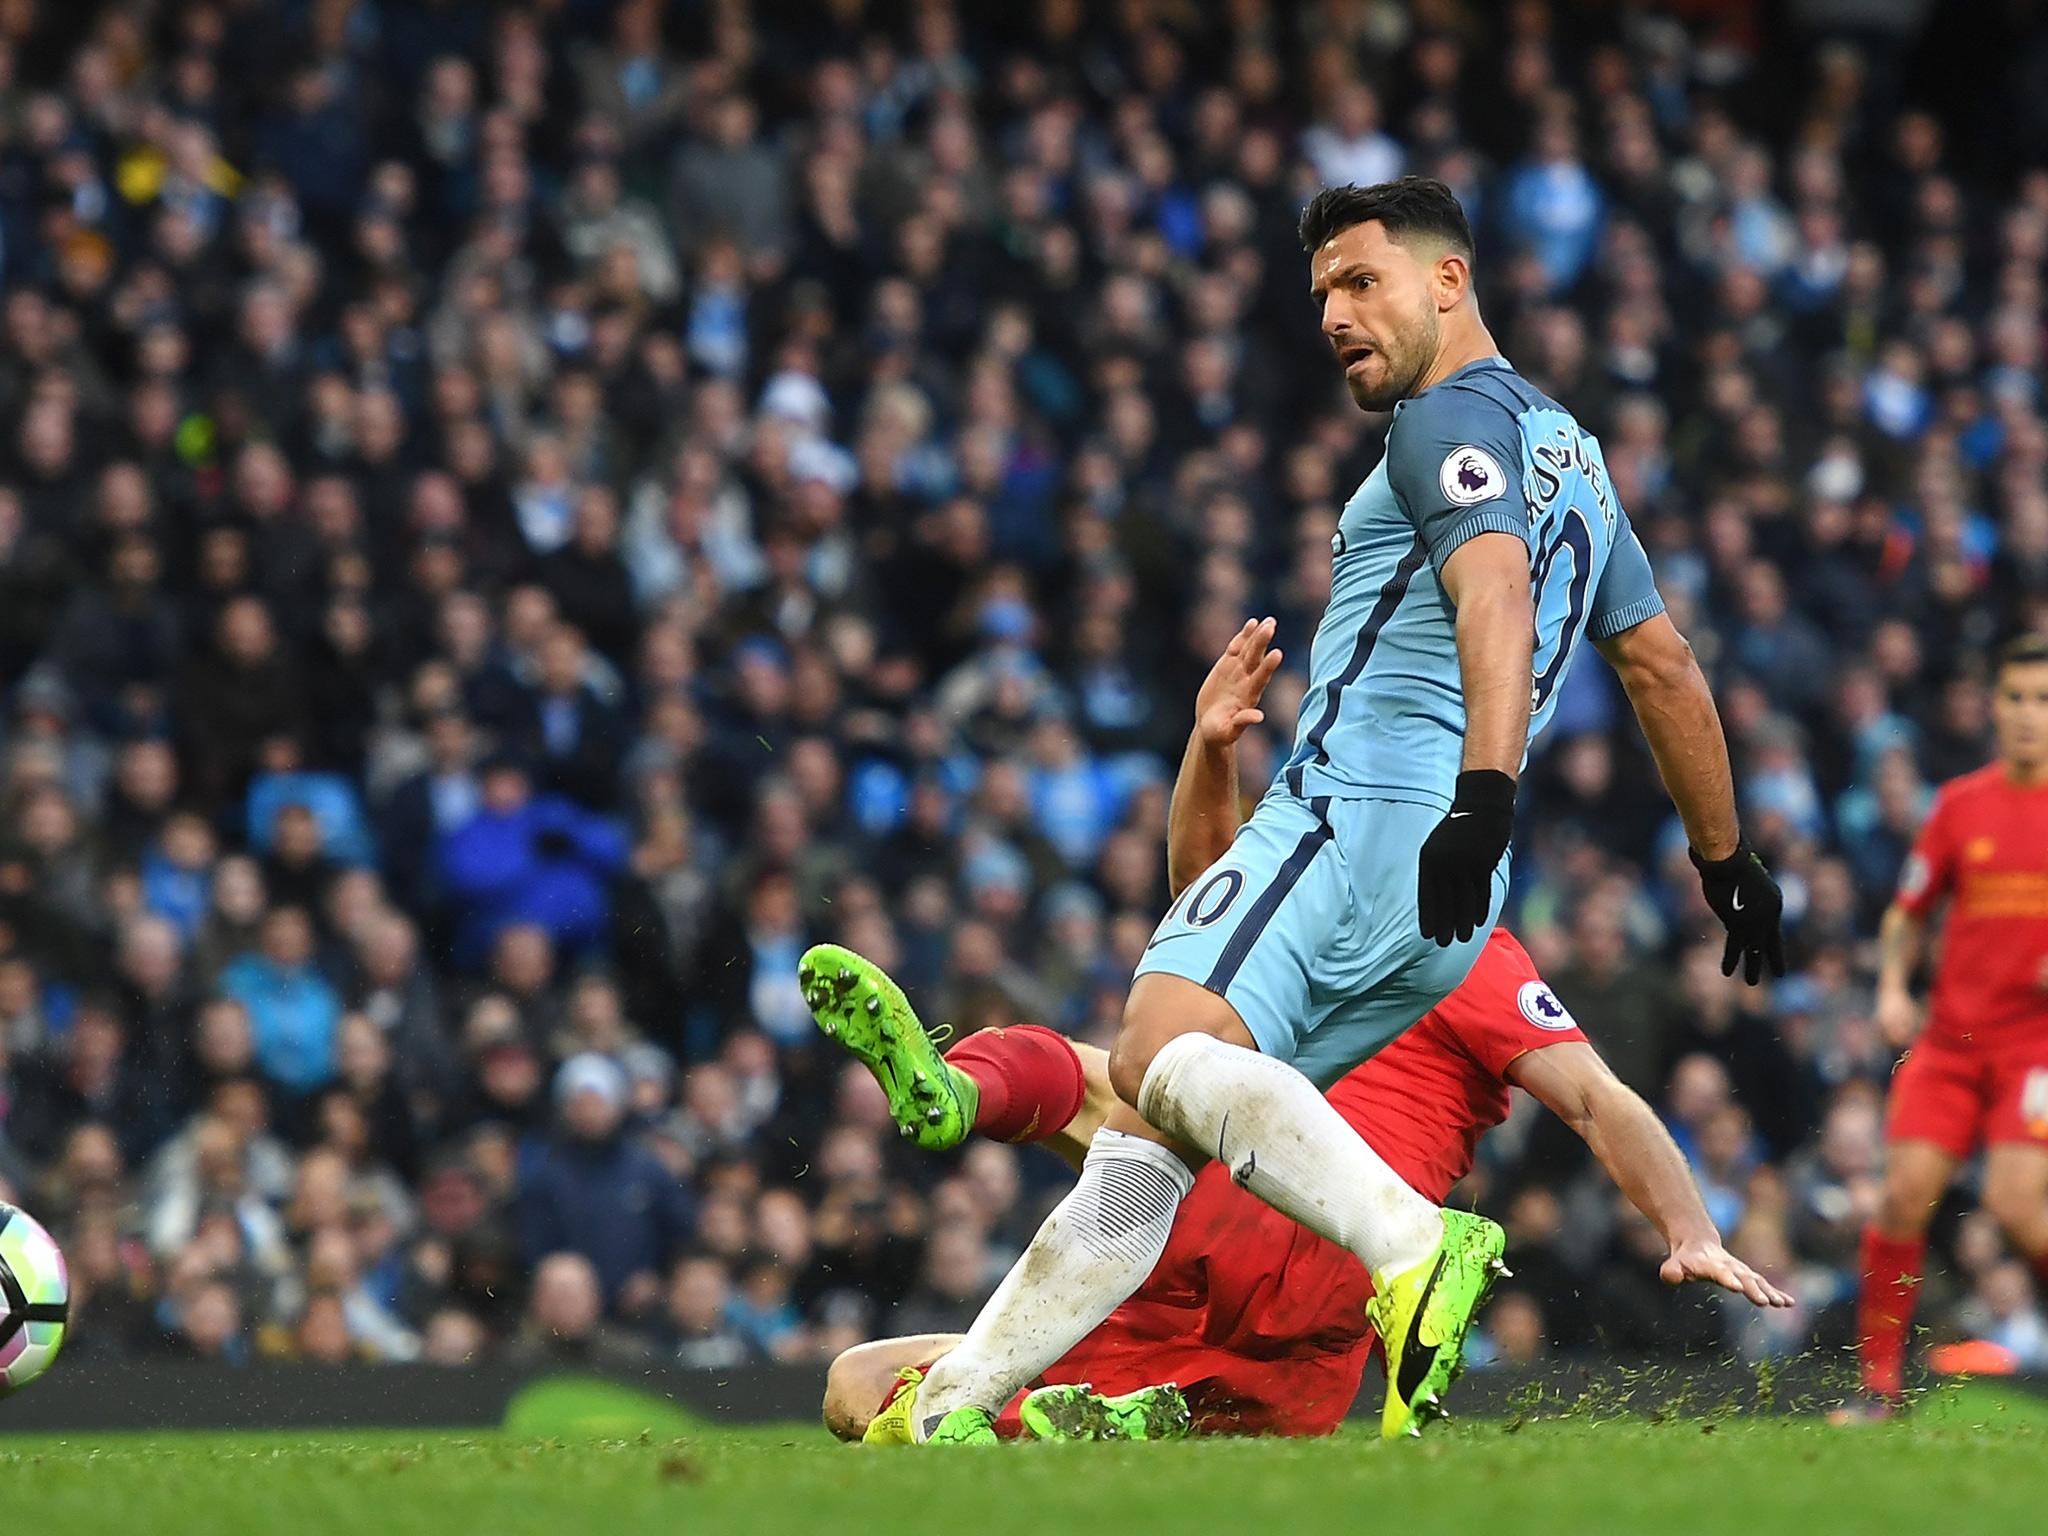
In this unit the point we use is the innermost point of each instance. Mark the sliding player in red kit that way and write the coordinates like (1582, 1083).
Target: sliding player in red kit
(1260, 1323)
(1977, 1075)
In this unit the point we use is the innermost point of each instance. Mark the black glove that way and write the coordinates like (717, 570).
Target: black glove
(1747, 900)
(1454, 885)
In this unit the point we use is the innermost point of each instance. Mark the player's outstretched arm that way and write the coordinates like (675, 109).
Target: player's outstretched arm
(1487, 579)
(1639, 1155)
(1676, 710)
(1205, 810)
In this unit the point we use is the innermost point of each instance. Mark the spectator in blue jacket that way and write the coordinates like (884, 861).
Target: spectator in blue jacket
(527, 860)
(284, 780)
(293, 1011)
(595, 1190)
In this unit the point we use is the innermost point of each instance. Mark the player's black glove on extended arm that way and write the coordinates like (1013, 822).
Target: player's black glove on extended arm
(1454, 888)
(1747, 900)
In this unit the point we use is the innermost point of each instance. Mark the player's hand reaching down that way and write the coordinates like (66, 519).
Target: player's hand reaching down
(1228, 704)
(1709, 1261)
(1747, 900)
(1898, 1017)
(1454, 877)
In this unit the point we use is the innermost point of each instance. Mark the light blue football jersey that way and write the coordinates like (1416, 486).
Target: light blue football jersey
(1483, 451)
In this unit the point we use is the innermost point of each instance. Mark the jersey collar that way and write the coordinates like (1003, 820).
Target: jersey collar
(1477, 365)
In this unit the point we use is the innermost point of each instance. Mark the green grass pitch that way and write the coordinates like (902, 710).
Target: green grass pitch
(1976, 1462)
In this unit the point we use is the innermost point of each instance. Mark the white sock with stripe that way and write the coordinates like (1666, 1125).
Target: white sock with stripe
(1284, 1143)
(1096, 1247)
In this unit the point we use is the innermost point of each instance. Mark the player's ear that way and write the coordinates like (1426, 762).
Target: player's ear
(1452, 280)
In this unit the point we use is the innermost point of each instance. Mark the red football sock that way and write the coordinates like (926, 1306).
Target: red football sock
(1884, 1308)
(1030, 1077)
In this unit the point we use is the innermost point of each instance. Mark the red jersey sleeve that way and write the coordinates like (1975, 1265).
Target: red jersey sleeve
(1929, 870)
(1504, 1009)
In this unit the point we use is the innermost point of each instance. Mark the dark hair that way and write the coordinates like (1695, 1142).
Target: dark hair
(1411, 205)
(2026, 651)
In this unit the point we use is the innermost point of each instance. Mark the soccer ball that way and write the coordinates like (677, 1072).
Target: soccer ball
(35, 1299)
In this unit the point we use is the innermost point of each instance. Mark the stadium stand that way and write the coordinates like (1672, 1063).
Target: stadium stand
(516, 519)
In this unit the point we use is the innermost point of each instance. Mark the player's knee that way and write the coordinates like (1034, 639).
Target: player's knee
(1146, 1028)
(1907, 1205)
(1129, 1060)
(1162, 1009)
(1136, 1056)
(2020, 1206)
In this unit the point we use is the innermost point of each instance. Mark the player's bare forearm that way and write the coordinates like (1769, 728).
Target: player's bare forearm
(1639, 1155)
(1899, 940)
(1631, 1143)
(1623, 1132)
(1487, 580)
(1898, 948)
(1676, 710)
(1204, 813)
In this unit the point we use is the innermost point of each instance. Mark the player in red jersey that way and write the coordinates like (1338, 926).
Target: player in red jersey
(1259, 1321)
(1977, 1075)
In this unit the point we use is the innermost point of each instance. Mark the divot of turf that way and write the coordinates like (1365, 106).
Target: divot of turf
(586, 1408)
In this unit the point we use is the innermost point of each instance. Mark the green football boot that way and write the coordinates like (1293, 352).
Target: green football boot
(1423, 1314)
(896, 1424)
(965, 1426)
(858, 1006)
(1073, 1411)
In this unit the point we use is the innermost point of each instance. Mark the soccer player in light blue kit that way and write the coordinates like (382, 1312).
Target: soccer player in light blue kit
(1468, 567)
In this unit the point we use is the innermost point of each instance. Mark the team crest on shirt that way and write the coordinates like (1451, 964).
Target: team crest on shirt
(1540, 1007)
(1979, 849)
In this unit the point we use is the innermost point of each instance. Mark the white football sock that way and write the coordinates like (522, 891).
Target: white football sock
(1282, 1141)
(1096, 1247)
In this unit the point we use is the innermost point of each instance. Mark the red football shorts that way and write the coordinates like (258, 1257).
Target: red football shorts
(1271, 1377)
(1260, 1322)
(1306, 1392)
(1227, 1394)
(1961, 1098)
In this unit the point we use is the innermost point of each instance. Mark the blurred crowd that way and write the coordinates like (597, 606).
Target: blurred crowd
(517, 518)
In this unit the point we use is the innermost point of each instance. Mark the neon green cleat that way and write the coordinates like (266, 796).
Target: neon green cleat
(965, 1426)
(896, 1424)
(1423, 1314)
(1074, 1411)
(857, 1005)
